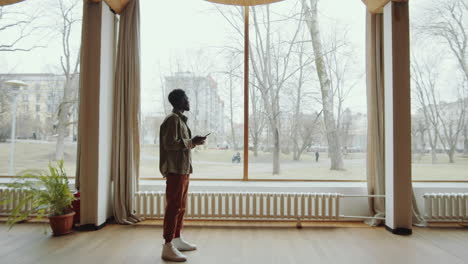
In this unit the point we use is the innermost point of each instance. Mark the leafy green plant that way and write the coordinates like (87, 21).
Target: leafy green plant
(46, 190)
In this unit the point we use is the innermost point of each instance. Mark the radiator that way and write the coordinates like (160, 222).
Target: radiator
(10, 199)
(245, 205)
(446, 206)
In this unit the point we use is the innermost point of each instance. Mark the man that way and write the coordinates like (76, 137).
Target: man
(175, 164)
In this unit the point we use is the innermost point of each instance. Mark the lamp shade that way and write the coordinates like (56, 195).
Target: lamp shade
(9, 2)
(243, 2)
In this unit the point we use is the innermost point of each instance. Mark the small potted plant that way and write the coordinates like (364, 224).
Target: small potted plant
(48, 192)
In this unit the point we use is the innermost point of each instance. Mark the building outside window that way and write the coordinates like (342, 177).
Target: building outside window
(44, 114)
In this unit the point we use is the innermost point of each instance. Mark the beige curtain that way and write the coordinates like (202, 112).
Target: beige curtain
(88, 93)
(125, 140)
(418, 219)
(375, 115)
(78, 155)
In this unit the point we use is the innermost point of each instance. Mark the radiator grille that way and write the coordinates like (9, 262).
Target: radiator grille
(243, 205)
(10, 199)
(446, 206)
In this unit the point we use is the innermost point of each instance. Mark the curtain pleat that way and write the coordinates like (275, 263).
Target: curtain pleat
(375, 115)
(87, 74)
(125, 140)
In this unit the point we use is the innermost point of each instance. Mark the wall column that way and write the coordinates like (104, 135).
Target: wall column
(398, 186)
(95, 113)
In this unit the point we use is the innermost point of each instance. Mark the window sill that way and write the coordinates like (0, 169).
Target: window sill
(297, 186)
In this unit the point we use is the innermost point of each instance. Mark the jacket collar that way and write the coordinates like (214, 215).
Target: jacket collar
(182, 116)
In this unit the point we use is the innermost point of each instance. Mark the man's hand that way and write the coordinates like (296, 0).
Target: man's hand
(198, 140)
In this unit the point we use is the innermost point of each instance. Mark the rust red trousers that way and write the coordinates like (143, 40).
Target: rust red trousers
(176, 201)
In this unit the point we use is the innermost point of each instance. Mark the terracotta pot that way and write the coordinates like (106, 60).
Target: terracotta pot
(61, 224)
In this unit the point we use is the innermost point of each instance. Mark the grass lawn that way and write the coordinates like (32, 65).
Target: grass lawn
(36, 155)
(216, 164)
(212, 163)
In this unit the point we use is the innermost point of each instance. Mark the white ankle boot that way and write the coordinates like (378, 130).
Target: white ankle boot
(183, 245)
(170, 253)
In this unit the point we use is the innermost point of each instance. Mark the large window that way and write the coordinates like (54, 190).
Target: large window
(291, 137)
(439, 90)
(189, 45)
(302, 126)
(39, 72)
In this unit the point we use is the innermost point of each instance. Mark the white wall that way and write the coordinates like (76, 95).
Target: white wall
(105, 117)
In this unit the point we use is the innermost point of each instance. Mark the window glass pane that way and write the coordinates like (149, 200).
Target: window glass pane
(189, 45)
(439, 90)
(297, 132)
(39, 48)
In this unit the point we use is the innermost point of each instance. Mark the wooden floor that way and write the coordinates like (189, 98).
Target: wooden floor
(354, 243)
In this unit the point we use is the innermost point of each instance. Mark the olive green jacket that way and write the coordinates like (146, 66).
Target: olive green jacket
(175, 145)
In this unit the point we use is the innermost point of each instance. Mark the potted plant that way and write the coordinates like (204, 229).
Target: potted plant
(48, 192)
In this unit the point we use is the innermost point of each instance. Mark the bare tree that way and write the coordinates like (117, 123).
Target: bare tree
(448, 23)
(69, 19)
(17, 27)
(334, 144)
(307, 128)
(257, 120)
(343, 78)
(452, 120)
(425, 75)
(297, 114)
(302, 129)
(5, 124)
(446, 20)
(271, 62)
(465, 137)
(445, 121)
(345, 126)
(418, 135)
(232, 76)
(414, 134)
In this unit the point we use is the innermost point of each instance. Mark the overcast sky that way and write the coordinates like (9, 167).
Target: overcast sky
(172, 29)
(175, 28)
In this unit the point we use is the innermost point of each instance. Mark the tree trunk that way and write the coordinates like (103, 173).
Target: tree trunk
(434, 156)
(299, 153)
(70, 72)
(63, 117)
(297, 115)
(465, 142)
(334, 146)
(434, 146)
(255, 146)
(451, 154)
(423, 144)
(296, 155)
(276, 152)
(234, 142)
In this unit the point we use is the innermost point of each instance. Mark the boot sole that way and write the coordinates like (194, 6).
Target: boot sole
(174, 260)
(185, 250)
